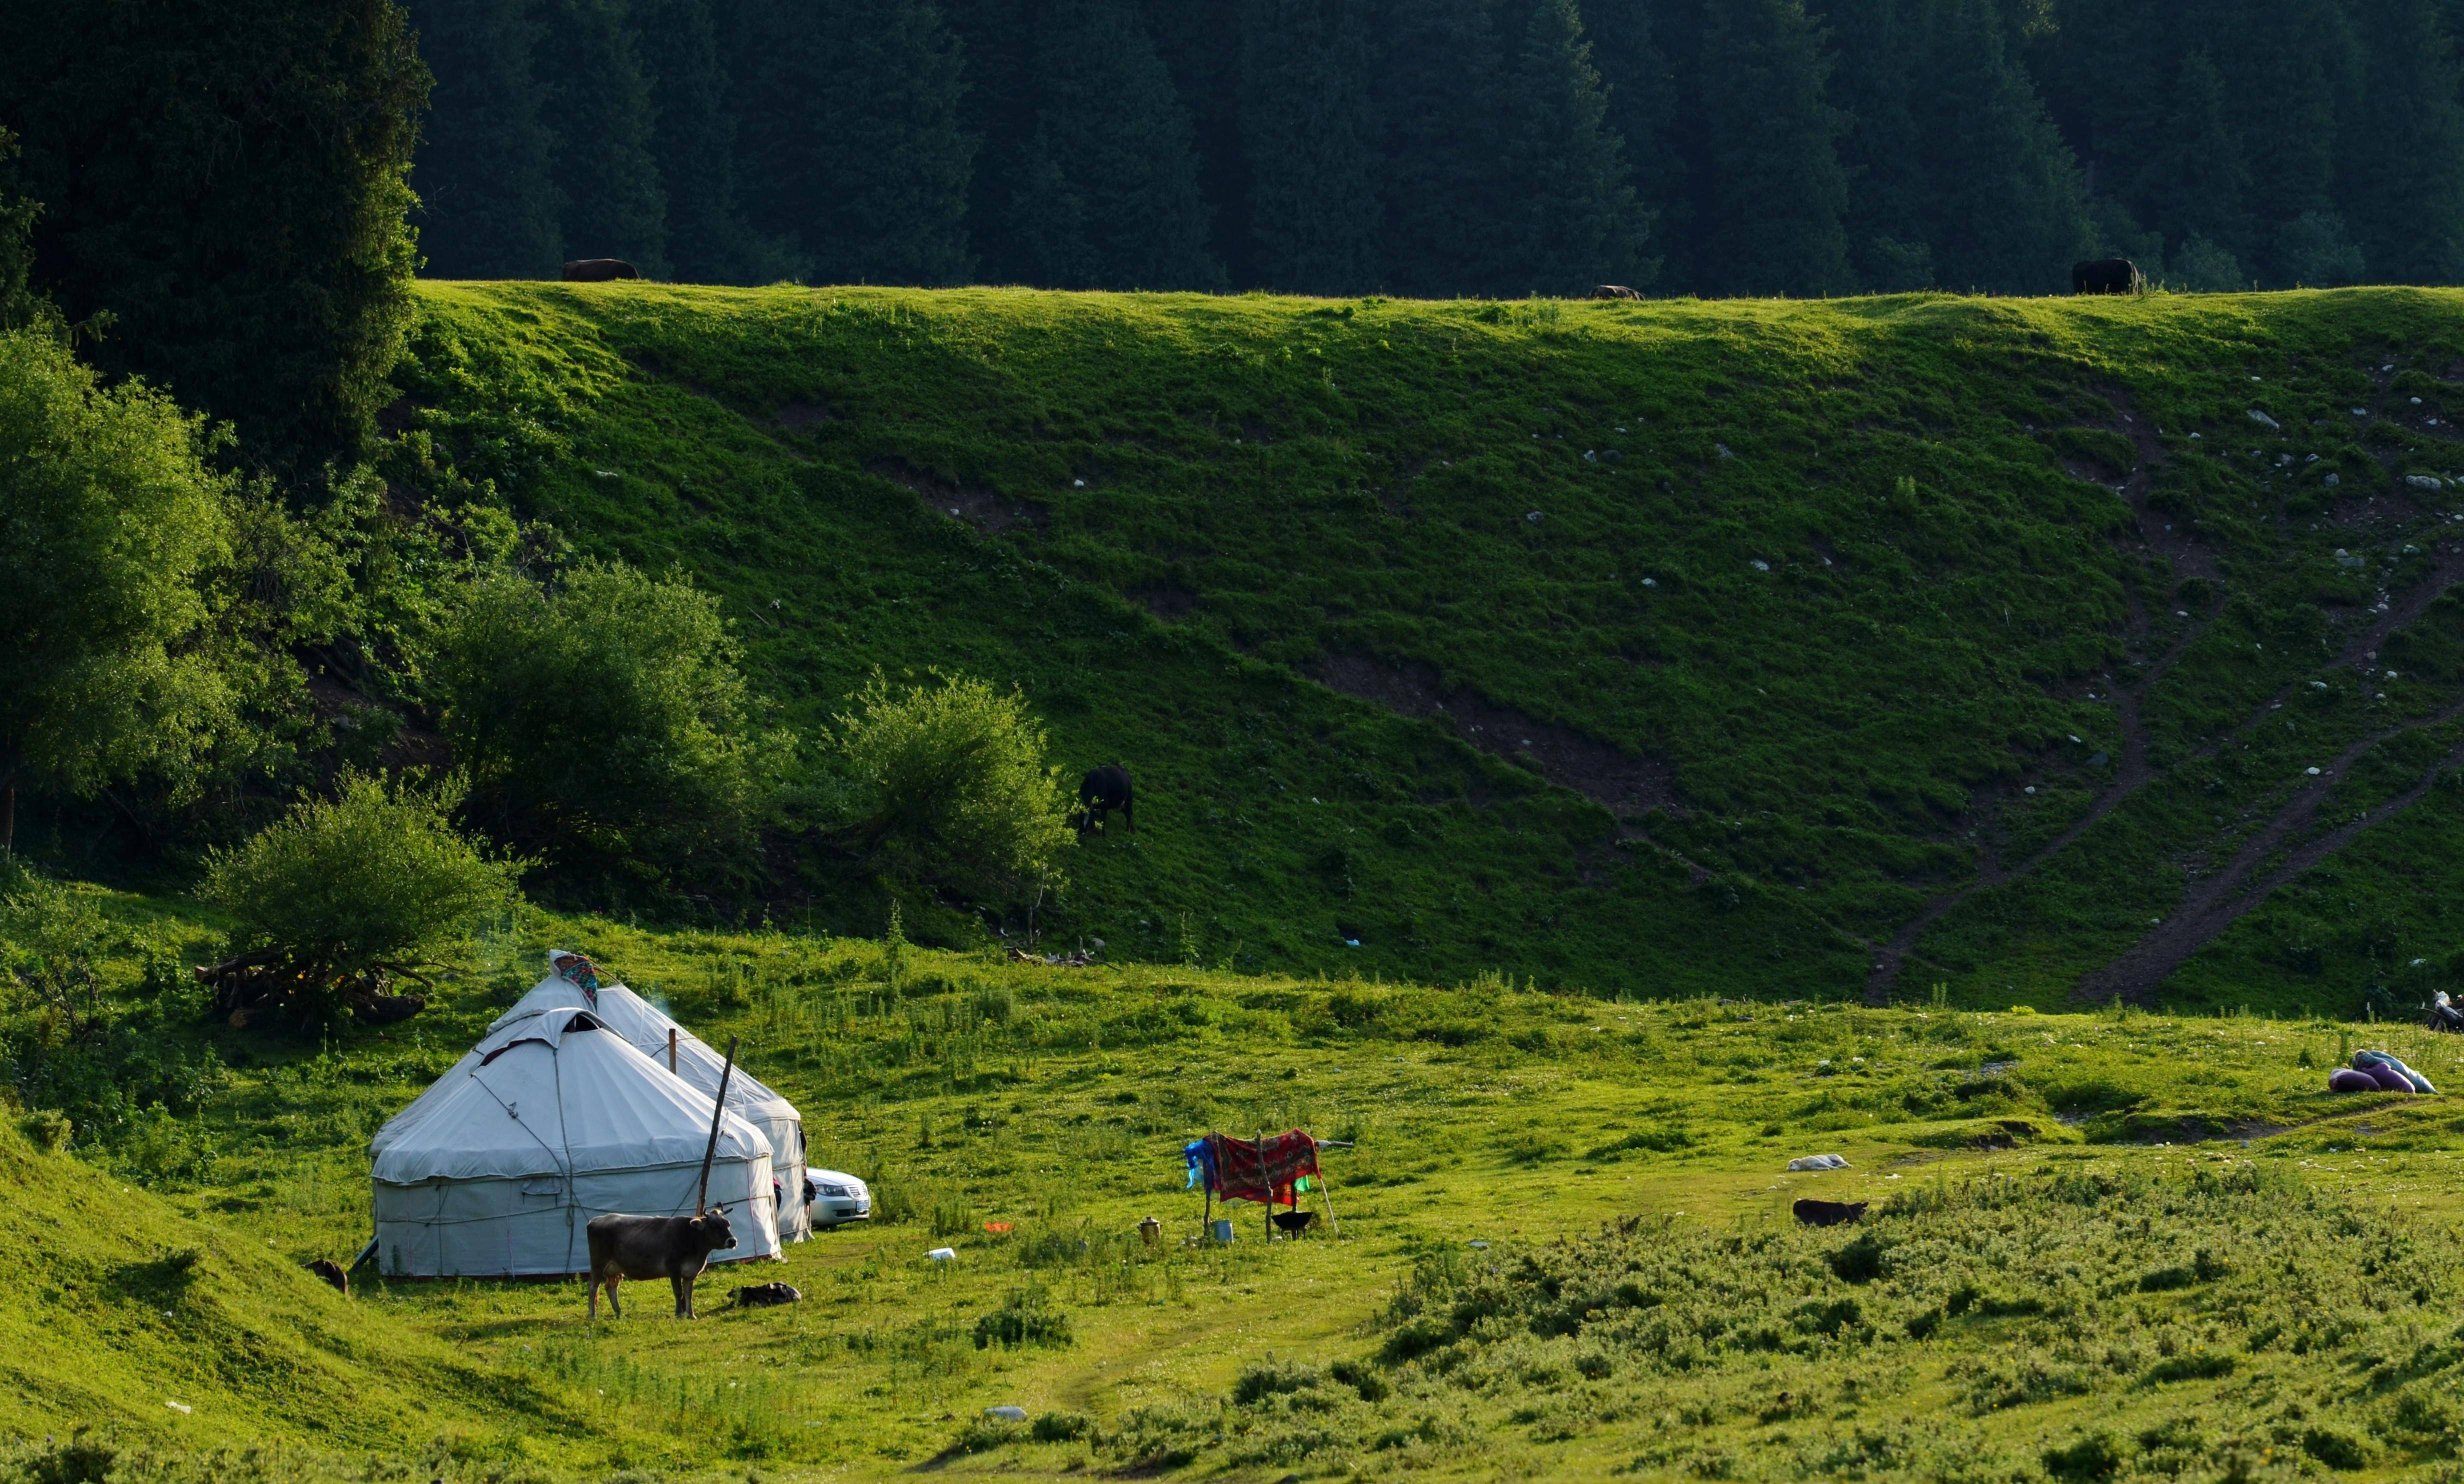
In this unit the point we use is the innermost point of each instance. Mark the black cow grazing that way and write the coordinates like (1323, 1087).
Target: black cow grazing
(764, 1296)
(1828, 1213)
(598, 270)
(1101, 791)
(332, 1272)
(674, 1248)
(1614, 291)
(2106, 275)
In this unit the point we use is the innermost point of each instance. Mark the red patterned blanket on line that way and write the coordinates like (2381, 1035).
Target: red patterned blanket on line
(1261, 1169)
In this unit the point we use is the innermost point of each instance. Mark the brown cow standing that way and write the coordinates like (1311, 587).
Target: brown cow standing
(674, 1248)
(598, 270)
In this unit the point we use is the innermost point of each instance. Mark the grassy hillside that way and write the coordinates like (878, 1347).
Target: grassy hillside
(1831, 649)
(1565, 1250)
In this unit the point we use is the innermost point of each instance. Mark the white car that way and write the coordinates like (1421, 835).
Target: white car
(836, 1198)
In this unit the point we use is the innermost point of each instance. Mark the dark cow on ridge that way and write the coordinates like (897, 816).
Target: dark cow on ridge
(674, 1248)
(2106, 275)
(598, 270)
(331, 1271)
(1101, 791)
(1828, 1213)
(1614, 291)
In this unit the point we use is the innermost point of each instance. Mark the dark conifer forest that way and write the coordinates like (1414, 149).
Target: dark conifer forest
(1447, 147)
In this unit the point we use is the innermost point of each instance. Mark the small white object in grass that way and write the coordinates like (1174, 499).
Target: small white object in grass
(1476, 1243)
(941, 1254)
(2313, 773)
(2181, 612)
(2031, 788)
(1535, 518)
(1651, 582)
(1818, 1162)
(1078, 484)
(181, 1408)
(1006, 1413)
(1761, 565)
(1352, 943)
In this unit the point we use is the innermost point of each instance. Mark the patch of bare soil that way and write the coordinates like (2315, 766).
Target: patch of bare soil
(986, 509)
(1628, 784)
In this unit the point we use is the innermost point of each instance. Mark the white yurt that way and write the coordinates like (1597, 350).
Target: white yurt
(573, 979)
(648, 1027)
(552, 1120)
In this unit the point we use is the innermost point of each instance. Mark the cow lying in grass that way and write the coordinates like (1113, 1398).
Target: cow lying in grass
(674, 1248)
(1828, 1213)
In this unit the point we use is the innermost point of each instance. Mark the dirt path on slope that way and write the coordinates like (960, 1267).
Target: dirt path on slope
(2190, 556)
(2217, 901)
(2446, 567)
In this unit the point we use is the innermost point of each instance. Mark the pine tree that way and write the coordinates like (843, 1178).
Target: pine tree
(2401, 184)
(1873, 87)
(228, 183)
(859, 146)
(1641, 95)
(709, 240)
(2005, 208)
(1312, 146)
(1769, 193)
(1441, 100)
(598, 102)
(487, 206)
(2283, 65)
(1572, 220)
(997, 38)
(1199, 43)
(1107, 194)
(2197, 180)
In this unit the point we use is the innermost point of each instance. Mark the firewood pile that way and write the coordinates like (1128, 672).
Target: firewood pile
(272, 982)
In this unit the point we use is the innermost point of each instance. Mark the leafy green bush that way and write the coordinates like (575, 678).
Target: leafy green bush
(47, 1129)
(114, 521)
(957, 789)
(605, 716)
(340, 893)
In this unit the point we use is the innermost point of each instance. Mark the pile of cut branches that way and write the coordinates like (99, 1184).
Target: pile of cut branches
(278, 981)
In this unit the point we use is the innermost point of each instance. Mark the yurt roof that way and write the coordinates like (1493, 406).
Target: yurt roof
(647, 1025)
(553, 1092)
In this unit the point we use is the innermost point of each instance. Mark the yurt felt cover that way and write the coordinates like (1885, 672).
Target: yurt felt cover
(646, 1026)
(551, 1121)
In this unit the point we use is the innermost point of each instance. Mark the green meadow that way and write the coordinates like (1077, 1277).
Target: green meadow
(2101, 1243)
(1588, 755)
(1679, 648)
